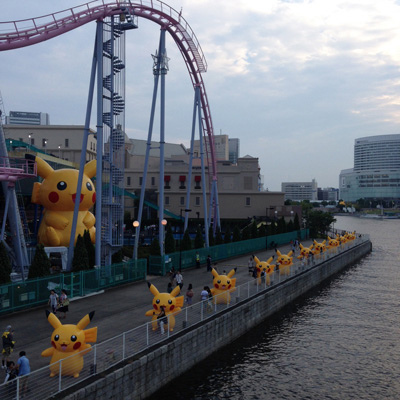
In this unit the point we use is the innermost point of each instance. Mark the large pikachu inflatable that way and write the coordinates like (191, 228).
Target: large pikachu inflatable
(285, 261)
(57, 194)
(66, 341)
(169, 301)
(265, 266)
(223, 286)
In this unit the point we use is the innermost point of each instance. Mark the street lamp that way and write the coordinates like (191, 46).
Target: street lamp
(44, 145)
(180, 241)
(164, 224)
(59, 151)
(30, 136)
(136, 226)
(291, 215)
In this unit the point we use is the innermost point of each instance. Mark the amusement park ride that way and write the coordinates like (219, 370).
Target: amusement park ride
(107, 80)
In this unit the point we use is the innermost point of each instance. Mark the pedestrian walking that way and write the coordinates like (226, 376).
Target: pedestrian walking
(169, 287)
(8, 345)
(189, 295)
(204, 294)
(64, 304)
(11, 372)
(162, 320)
(179, 279)
(24, 369)
(209, 263)
(53, 301)
(250, 265)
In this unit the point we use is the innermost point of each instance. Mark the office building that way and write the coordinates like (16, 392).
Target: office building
(27, 118)
(376, 171)
(299, 191)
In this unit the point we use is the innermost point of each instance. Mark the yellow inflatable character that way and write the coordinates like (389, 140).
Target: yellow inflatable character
(332, 243)
(57, 194)
(223, 286)
(320, 247)
(172, 305)
(305, 252)
(285, 261)
(350, 236)
(69, 340)
(266, 267)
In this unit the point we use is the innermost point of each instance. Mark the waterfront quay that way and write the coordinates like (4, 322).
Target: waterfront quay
(122, 309)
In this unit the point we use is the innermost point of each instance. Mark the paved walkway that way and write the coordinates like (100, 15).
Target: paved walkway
(116, 310)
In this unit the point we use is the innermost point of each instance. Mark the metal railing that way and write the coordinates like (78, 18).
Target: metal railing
(127, 344)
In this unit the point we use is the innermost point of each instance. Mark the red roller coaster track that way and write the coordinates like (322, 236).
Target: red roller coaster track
(28, 32)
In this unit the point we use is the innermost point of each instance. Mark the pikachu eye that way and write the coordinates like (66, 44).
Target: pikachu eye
(56, 338)
(89, 186)
(73, 338)
(219, 281)
(169, 301)
(61, 185)
(158, 301)
(228, 282)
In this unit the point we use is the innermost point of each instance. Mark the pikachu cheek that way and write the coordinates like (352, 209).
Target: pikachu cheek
(53, 344)
(77, 345)
(54, 197)
(94, 198)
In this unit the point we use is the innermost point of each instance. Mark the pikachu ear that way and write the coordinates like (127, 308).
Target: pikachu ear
(84, 322)
(214, 272)
(90, 169)
(270, 260)
(231, 273)
(256, 260)
(153, 289)
(54, 321)
(176, 291)
(43, 169)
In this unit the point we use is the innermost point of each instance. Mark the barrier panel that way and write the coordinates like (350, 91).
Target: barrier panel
(33, 292)
(127, 344)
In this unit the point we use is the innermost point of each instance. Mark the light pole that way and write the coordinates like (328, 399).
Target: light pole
(45, 145)
(136, 226)
(180, 241)
(291, 215)
(164, 224)
(59, 151)
(30, 136)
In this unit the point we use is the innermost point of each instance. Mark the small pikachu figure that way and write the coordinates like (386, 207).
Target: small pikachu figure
(69, 340)
(305, 252)
(57, 194)
(223, 286)
(168, 301)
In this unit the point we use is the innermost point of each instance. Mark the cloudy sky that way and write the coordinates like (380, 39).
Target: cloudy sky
(296, 81)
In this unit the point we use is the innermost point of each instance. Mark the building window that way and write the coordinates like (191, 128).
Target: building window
(44, 142)
(167, 179)
(182, 180)
(182, 201)
(32, 141)
(247, 201)
(167, 200)
(197, 180)
(140, 180)
(197, 201)
(66, 144)
(128, 181)
(153, 181)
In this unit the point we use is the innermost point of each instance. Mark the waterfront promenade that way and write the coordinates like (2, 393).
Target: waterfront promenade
(116, 310)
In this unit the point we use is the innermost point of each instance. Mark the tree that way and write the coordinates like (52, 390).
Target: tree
(89, 248)
(227, 236)
(218, 236)
(211, 240)
(290, 226)
(40, 264)
(5, 265)
(80, 262)
(155, 249)
(296, 223)
(169, 241)
(281, 225)
(253, 230)
(186, 241)
(246, 233)
(236, 234)
(319, 223)
(198, 240)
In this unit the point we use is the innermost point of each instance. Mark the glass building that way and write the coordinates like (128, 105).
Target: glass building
(376, 172)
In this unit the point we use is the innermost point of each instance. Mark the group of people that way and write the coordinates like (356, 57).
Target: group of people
(59, 303)
(12, 369)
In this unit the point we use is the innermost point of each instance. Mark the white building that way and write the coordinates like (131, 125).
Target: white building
(299, 191)
(27, 118)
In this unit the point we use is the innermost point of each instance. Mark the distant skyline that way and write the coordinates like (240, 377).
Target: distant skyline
(296, 81)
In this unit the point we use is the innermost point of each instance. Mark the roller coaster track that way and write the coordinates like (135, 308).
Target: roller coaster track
(27, 32)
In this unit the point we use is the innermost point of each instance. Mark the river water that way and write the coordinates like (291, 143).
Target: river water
(339, 342)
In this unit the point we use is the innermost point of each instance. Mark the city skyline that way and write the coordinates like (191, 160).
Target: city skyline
(296, 82)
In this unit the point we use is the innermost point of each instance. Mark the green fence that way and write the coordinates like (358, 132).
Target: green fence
(187, 259)
(33, 292)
